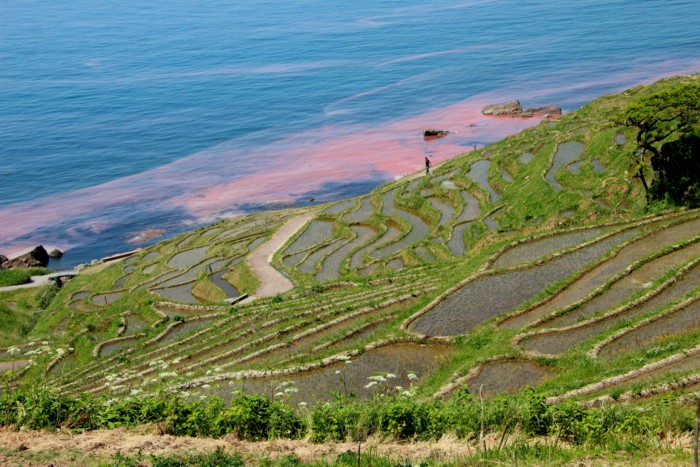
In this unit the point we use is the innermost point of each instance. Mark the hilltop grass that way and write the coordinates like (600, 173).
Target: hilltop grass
(18, 315)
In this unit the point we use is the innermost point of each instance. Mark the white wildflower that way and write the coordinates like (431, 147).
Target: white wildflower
(412, 377)
(343, 357)
(390, 375)
(398, 388)
(279, 394)
(370, 384)
(206, 386)
(302, 404)
(337, 372)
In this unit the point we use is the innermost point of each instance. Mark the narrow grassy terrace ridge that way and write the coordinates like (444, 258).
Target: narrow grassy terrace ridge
(534, 261)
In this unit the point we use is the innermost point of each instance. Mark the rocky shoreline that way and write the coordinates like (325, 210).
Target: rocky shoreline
(515, 109)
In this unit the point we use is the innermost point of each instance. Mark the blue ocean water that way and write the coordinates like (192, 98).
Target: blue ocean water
(112, 110)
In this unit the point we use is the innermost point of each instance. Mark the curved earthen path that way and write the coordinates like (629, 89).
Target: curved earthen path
(273, 282)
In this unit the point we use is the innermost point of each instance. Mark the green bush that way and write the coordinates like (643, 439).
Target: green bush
(248, 417)
(404, 418)
(19, 276)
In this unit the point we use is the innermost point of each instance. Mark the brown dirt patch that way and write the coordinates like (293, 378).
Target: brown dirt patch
(29, 448)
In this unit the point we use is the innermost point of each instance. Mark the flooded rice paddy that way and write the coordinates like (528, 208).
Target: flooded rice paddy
(531, 251)
(393, 363)
(566, 153)
(505, 376)
(479, 172)
(491, 295)
(686, 319)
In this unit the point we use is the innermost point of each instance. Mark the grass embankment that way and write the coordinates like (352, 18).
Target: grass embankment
(20, 276)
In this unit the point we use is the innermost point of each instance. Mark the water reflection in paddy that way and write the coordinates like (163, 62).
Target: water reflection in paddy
(397, 359)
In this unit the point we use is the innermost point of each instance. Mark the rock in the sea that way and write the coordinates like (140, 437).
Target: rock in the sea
(507, 108)
(546, 112)
(38, 257)
(433, 133)
(55, 253)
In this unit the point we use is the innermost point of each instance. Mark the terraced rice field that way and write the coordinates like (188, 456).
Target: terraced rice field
(317, 232)
(388, 367)
(358, 259)
(239, 340)
(419, 229)
(682, 320)
(503, 377)
(178, 293)
(526, 157)
(471, 209)
(456, 241)
(107, 298)
(223, 284)
(332, 264)
(687, 365)
(342, 206)
(503, 292)
(446, 210)
(557, 341)
(637, 281)
(598, 276)
(361, 214)
(479, 172)
(187, 259)
(566, 153)
(536, 249)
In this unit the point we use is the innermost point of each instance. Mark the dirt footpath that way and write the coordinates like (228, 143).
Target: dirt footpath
(95, 447)
(273, 282)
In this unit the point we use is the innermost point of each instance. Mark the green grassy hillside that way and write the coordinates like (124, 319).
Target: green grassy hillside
(533, 262)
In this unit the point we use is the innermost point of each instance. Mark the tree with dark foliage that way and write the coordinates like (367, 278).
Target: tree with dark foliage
(660, 119)
(677, 172)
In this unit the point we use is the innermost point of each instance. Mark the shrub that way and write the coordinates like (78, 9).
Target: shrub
(10, 277)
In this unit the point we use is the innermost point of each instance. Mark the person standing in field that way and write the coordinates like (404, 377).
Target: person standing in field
(427, 165)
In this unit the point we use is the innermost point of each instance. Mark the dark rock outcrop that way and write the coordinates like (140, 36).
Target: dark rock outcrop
(55, 253)
(38, 257)
(507, 108)
(3, 260)
(433, 133)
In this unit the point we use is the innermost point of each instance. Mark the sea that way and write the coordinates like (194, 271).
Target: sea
(123, 122)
